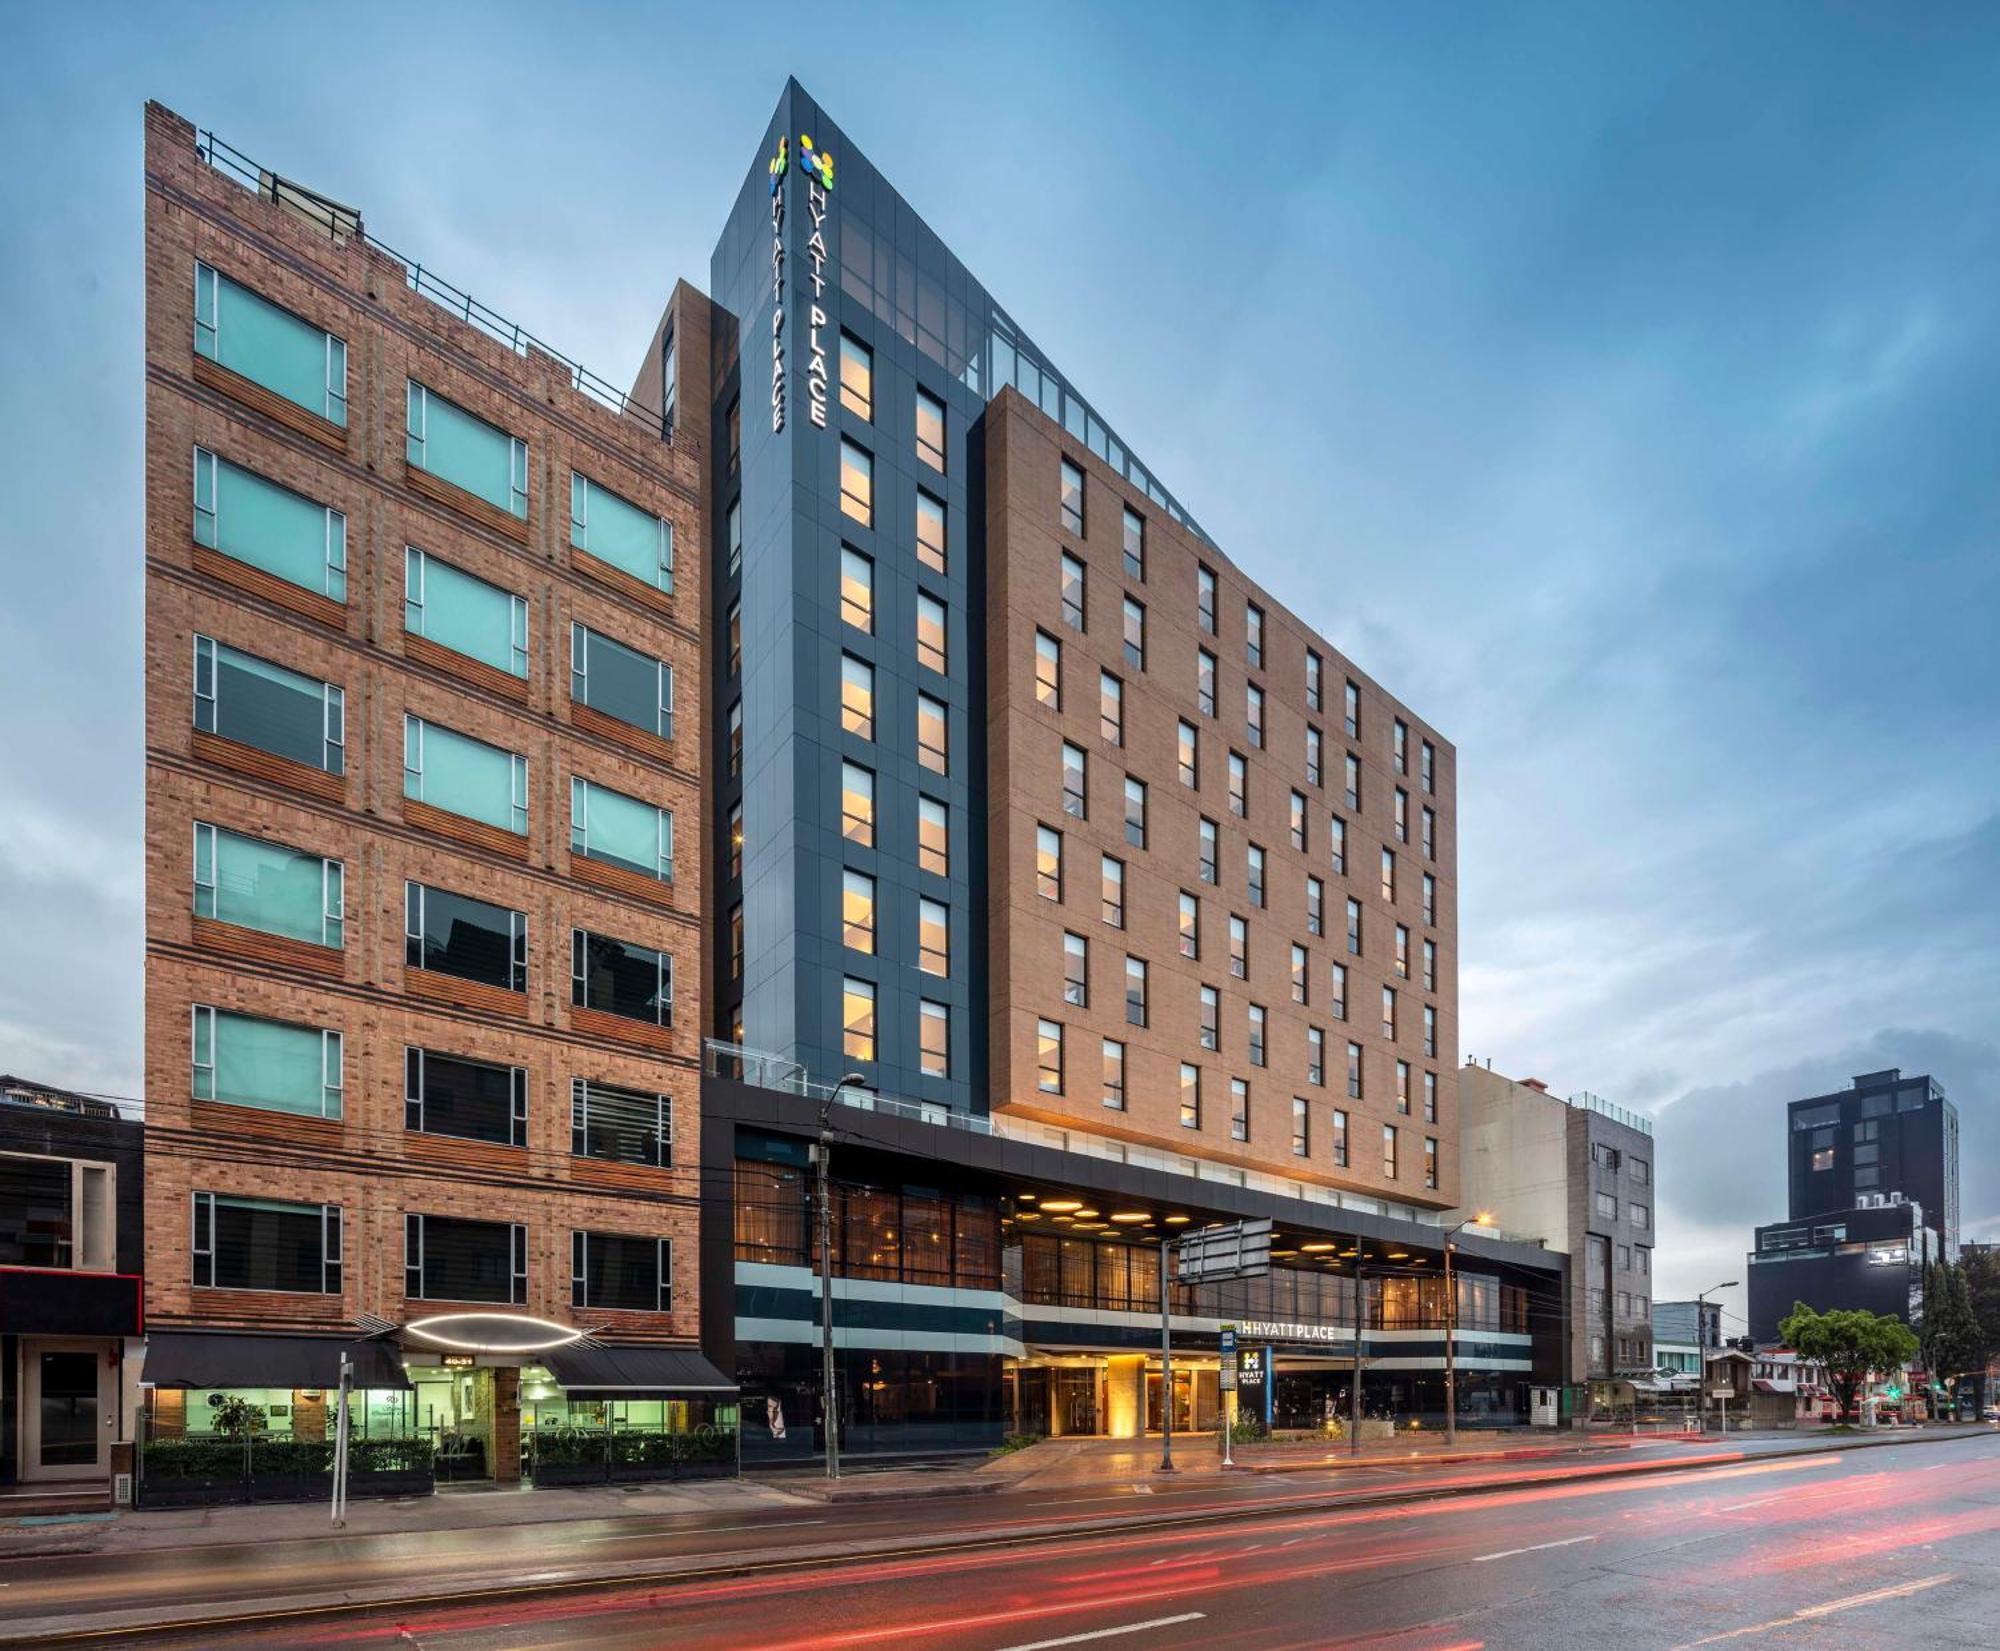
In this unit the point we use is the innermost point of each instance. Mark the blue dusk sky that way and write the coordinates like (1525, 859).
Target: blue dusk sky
(1621, 386)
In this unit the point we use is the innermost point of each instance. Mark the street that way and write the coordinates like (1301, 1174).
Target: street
(1864, 1548)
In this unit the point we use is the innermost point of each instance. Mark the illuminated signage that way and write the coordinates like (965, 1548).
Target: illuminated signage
(817, 165)
(777, 171)
(459, 1361)
(1277, 1330)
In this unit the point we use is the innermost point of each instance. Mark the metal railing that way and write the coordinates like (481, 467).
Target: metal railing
(343, 224)
(1584, 1101)
(764, 1070)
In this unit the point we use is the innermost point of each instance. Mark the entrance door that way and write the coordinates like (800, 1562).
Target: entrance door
(69, 1410)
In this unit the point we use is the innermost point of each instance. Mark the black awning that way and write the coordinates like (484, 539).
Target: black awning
(604, 1372)
(219, 1358)
(37, 1301)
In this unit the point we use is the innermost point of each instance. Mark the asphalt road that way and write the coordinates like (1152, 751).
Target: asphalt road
(1888, 1547)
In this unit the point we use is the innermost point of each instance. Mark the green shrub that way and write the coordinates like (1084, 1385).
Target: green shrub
(1013, 1442)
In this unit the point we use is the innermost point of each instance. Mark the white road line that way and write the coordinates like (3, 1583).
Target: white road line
(1509, 1553)
(707, 1530)
(1738, 1507)
(1807, 1613)
(1108, 1633)
(1933, 1468)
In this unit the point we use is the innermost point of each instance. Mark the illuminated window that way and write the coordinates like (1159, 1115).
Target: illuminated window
(1403, 1087)
(931, 633)
(857, 696)
(931, 751)
(857, 911)
(1301, 973)
(1430, 1161)
(1048, 671)
(857, 377)
(857, 483)
(1190, 1096)
(1190, 925)
(933, 837)
(857, 804)
(930, 430)
(1389, 875)
(933, 937)
(857, 1019)
(1048, 863)
(1114, 1074)
(1189, 755)
(857, 589)
(933, 1039)
(1049, 1057)
(930, 532)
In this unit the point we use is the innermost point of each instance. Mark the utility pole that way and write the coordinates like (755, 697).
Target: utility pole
(1354, 1392)
(829, 1389)
(1451, 1329)
(340, 1431)
(1166, 1361)
(1701, 1346)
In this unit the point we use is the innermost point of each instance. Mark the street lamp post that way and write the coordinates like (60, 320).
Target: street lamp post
(1701, 1348)
(1451, 1329)
(829, 1393)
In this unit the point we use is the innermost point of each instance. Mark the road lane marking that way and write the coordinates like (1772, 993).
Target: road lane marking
(1109, 1633)
(710, 1530)
(1806, 1613)
(1509, 1553)
(1738, 1507)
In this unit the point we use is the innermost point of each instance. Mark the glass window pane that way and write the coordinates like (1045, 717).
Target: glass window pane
(617, 531)
(466, 451)
(261, 1244)
(621, 682)
(266, 886)
(621, 979)
(453, 771)
(265, 705)
(608, 825)
(467, 615)
(256, 521)
(245, 332)
(273, 1066)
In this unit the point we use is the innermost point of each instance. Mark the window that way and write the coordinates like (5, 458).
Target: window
(1076, 971)
(1204, 597)
(1315, 905)
(470, 1100)
(238, 696)
(1340, 991)
(454, 934)
(857, 804)
(1336, 837)
(1075, 787)
(1301, 973)
(1110, 708)
(1135, 991)
(1430, 827)
(1353, 780)
(736, 840)
(1354, 926)
(1430, 1161)
(857, 590)
(1049, 1057)
(1211, 1018)
(1389, 1013)
(1605, 1204)
(466, 451)
(931, 750)
(1135, 544)
(1339, 1138)
(1353, 708)
(933, 937)
(1402, 815)
(1389, 1152)
(1190, 925)
(1048, 671)
(857, 377)
(1188, 755)
(1315, 749)
(1402, 963)
(446, 1258)
(1301, 1130)
(1399, 746)
(857, 483)
(1354, 1071)
(266, 526)
(1642, 1217)
(620, 1125)
(735, 731)
(1190, 1096)
(930, 532)
(607, 676)
(265, 886)
(618, 830)
(1430, 1032)
(1253, 713)
(933, 1039)
(857, 697)
(1316, 1057)
(933, 837)
(857, 1019)
(1403, 1087)
(1135, 634)
(265, 1244)
(1430, 1097)
(621, 1272)
(1389, 875)
(1253, 871)
(1639, 1170)
(615, 530)
(1239, 947)
(1204, 682)
(1253, 635)
(1111, 874)
(930, 632)
(1073, 610)
(733, 532)
(1259, 1023)
(1072, 498)
(1048, 863)
(1430, 899)
(1315, 675)
(1298, 821)
(1135, 812)
(1430, 965)
(1239, 786)
(248, 334)
(1239, 1110)
(1207, 838)
(1114, 1074)
(857, 910)
(270, 1065)
(930, 430)
(616, 977)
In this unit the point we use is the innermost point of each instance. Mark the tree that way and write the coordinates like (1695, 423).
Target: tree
(1848, 1343)
(1981, 1271)
(1950, 1330)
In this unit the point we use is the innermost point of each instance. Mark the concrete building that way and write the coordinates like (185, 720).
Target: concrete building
(1578, 1174)
(1683, 1331)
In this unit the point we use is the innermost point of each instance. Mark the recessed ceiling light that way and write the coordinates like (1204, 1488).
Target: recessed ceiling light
(1317, 1247)
(1028, 1215)
(1024, 1197)
(1128, 1217)
(1399, 1255)
(1064, 1204)
(1176, 1220)
(1086, 1215)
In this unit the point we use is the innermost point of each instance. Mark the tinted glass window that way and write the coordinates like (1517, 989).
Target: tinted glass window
(475, 1101)
(621, 979)
(621, 682)
(472, 939)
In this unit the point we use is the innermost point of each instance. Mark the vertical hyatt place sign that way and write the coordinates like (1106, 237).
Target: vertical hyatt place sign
(818, 168)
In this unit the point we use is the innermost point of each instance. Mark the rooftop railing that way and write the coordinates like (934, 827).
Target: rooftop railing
(342, 225)
(765, 1070)
(1587, 1102)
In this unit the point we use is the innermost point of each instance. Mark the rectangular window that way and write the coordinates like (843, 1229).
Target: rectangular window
(857, 483)
(1430, 900)
(1239, 785)
(270, 1065)
(1259, 1021)
(619, 681)
(1402, 956)
(1389, 1152)
(1110, 708)
(857, 804)
(1073, 605)
(1403, 1087)
(1336, 839)
(1190, 925)
(619, 830)
(931, 749)
(1315, 746)
(1606, 1205)
(1254, 873)
(615, 530)
(1402, 815)
(1076, 971)
(1075, 789)
(1354, 926)
(1301, 1130)
(447, 1258)
(461, 775)
(1301, 973)
(454, 934)
(857, 377)
(857, 590)
(1430, 1161)
(1135, 812)
(1430, 1032)
(239, 513)
(1072, 498)
(857, 911)
(265, 886)
(1339, 1138)
(1253, 635)
(1114, 1074)
(1211, 1018)
(1204, 682)
(627, 1126)
(1253, 713)
(930, 532)
(1353, 780)
(930, 430)
(1354, 1071)
(1428, 768)
(1048, 671)
(1315, 905)
(460, 448)
(1339, 1001)
(467, 615)
(1239, 1110)
(616, 977)
(933, 937)
(1111, 876)
(1315, 675)
(1428, 841)
(1049, 1057)
(1239, 947)
(933, 837)
(1135, 544)
(1298, 822)
(1316, 1057)
(933, 1039)
(1353, 710)
(620, 1272)
(290, 356)
(467, 1099)
(238, 696)
(1048, 862)
(265, 1244)
(1135, 634)
(1188, 749)
(733, 534)
(1430, 1097)
(931, 633)
(857, 1019)
(857, 697)
(1430, 965)
(1190, 1096)
(1399, 746)
(1206, 863)
(1135, 991)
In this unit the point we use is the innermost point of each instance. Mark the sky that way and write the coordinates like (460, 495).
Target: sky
(1618, 385)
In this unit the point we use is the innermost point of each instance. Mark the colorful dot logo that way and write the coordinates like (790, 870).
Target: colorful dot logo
(815, 162)
(779, 162)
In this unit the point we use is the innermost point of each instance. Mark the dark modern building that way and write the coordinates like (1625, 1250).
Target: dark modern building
(1872, 1257)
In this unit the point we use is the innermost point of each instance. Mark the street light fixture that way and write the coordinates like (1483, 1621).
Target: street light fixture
(1701, 1344)
(1482, 1219)
(829, 1393)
